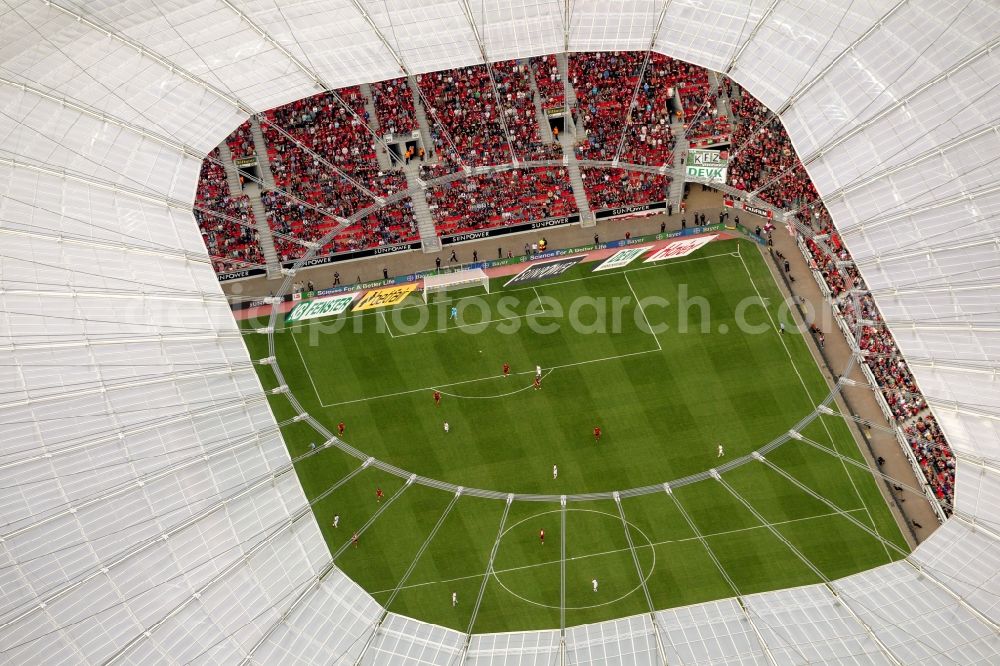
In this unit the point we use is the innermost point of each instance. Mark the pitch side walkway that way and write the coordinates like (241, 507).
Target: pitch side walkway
(912, 512)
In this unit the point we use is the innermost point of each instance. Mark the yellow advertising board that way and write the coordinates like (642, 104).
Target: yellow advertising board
(380, 298)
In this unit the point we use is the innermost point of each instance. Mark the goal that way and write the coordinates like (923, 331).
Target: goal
(456, 280)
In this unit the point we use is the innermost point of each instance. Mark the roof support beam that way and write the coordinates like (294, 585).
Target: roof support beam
(729, 579)
(925, 250)
(405, 70)
(883, 648)
(145, 52)
(753, 33)
(952, 144)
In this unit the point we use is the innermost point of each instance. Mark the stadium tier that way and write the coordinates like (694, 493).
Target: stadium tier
(499, 199)
(482, 116)
(365, 475)
(394, 107)
(604, 83)
(551, 87)
(225, 220)
(611, 188)
(240, 142)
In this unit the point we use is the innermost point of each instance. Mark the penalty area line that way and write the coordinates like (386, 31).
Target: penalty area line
(638, 304)
(460, 326)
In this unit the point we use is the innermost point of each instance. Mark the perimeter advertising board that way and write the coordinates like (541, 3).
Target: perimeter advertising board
(681, 248)
(381, 298)
(707, 165)
(326, 306)
(622, 258)
(545, 269)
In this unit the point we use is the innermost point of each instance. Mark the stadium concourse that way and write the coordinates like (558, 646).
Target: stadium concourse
(152, 510)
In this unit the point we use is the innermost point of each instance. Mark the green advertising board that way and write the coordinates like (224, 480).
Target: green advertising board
(326, 306)
(707, 165)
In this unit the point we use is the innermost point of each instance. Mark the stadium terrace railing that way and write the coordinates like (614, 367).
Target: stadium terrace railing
(874, 385)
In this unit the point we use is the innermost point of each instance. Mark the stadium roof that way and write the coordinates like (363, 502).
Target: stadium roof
(150, 512)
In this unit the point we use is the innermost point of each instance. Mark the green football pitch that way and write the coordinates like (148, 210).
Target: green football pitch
(670, 359)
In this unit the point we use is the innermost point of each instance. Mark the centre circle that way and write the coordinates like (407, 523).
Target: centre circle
(500, 572)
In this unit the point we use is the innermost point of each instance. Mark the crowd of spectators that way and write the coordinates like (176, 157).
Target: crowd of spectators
(240, 142)
(340, 136)
(551, 87)
(611, 188)
(604, 83)
(934, 457)
(394, 106)
(896, 382)
(763, 157)
(693, 86)
(390, 225)
(499, 199)
(467, 116)
(229, 235)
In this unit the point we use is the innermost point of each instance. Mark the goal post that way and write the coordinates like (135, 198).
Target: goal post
(457, 280)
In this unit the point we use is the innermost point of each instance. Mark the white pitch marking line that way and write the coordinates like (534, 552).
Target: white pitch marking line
(652, 544)
(484, 379)
(306, 366)
(387, 327)
(639, 305)
(805, 388)
(502, 395)
(535, 290)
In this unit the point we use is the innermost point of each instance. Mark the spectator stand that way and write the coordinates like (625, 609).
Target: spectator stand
(329, 184)
(226, 222)
(468, 122)
(627, 101)
(397, 120)
(497, 197)
(881, 362)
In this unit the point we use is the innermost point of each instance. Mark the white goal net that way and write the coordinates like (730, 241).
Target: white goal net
(457, 280)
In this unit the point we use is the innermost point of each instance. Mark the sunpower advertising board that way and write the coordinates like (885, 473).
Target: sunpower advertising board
(708, 165)
(315, 308)
(545, 269)
(623, 258)
(681, 248)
